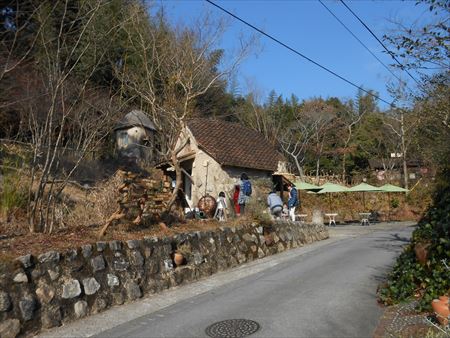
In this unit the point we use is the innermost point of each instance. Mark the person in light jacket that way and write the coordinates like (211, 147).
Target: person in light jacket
(293, 201)
(275, 204)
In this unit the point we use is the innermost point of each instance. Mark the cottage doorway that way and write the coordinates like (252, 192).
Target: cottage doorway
(187, 183)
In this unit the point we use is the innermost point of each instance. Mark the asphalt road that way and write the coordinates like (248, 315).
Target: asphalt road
(327, 289)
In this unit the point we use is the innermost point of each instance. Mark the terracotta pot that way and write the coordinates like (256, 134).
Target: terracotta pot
(421, 250)
(441, 310)
(444, 299)
(178, 258)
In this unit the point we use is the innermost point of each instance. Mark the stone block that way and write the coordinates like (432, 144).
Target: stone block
(150, 240)
(242, 247)
(120, 264)
(152, 267)
(26, 261)
(21, 278)
(112, 280)
(197, 258)
(276, 239)
(49, 257)
(99, 305)
(148, 252)
(86, 250)
(261, 253)
(51, 317)
(90, 285)
(136, 258)
(115, 245)
(168, 265)
(133, 244)
(280, 247)
(45, 294)
(80, 308)
(5, 302)
(101, 246)
(98, 263)
(211, 240)
(118, 298)
(241, 257)
(289, 235)
(133, 290)
(71, 289)
(54, 274)
(71, 255)
(27, 306)
(9, 328)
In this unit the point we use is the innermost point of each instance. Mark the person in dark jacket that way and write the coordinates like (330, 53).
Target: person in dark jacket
(293, 201)
(245, 191)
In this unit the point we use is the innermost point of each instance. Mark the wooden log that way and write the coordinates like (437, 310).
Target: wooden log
(116, 216)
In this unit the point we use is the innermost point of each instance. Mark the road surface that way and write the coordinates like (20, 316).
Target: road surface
(326, 289)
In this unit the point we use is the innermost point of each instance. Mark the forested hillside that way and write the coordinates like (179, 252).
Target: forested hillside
(70, 69)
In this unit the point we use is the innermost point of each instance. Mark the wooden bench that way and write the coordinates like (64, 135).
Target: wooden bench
(332, 218)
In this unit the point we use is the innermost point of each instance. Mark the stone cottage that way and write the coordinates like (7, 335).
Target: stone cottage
(216, 152)
(135, 136)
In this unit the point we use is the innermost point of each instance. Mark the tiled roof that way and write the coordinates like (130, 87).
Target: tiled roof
(232, 144)
(135, 118)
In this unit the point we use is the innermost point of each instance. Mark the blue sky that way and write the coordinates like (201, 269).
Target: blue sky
(309, 28)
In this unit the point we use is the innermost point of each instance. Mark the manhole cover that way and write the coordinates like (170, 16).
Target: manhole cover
(232, 328)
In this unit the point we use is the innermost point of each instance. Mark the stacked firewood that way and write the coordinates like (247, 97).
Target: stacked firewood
(141, 196)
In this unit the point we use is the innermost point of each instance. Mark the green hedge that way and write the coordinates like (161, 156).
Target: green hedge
(410, 279)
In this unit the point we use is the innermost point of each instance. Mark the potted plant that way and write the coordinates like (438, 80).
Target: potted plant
(181, 254)
(441, 309)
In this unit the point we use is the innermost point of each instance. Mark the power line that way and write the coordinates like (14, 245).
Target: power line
(381, 43)
(297, 52)
(362, 43)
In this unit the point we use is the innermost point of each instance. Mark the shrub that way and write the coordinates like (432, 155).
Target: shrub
(409, 278)
(13, 194)
(395, 203)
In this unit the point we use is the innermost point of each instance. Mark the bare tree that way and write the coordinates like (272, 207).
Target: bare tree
(13, 50)
(259, 118)
(354, 120)
(403, 125)
(174, 70)
(296, 139)
(69, 114)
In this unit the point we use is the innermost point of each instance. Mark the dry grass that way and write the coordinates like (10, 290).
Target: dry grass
(96, 206)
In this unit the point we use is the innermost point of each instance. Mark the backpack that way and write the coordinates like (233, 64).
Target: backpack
(247, 188)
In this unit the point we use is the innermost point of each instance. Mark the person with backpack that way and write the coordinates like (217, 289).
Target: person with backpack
(245, 192)
(292, 201)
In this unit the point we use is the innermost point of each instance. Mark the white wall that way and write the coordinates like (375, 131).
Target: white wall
(135, 136)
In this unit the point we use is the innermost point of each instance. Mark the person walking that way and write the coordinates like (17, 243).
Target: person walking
(245, 191)
(293, 201)
(275, 204)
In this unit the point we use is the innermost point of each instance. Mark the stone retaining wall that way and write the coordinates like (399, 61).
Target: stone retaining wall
(54, 288)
